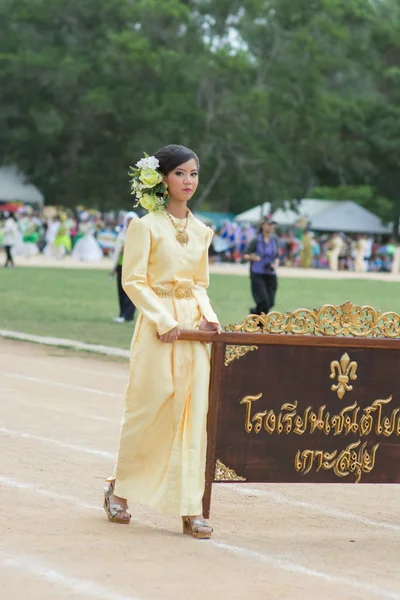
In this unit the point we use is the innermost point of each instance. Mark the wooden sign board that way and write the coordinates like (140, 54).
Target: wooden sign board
(304, 409)
(310, 414)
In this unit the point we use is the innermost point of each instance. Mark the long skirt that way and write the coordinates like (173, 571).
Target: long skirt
(161, 457)
(87, 248)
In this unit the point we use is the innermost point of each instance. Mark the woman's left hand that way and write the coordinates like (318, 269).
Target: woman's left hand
(207, 326)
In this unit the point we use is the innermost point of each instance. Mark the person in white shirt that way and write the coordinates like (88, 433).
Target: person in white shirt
(10, 236)
(369, 242)
(396, 260)
(336, 246)
(361, 249)
(53, 226)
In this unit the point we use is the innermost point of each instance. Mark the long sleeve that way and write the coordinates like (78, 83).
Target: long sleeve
(201, 283)
(134, 277)
(252, 247)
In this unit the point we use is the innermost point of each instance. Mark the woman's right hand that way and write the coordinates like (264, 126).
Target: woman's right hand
(170, 336)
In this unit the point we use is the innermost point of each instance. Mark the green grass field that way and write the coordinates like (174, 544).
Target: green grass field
(79, 304)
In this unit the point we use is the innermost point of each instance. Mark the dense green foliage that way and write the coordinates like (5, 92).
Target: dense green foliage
(277, 97)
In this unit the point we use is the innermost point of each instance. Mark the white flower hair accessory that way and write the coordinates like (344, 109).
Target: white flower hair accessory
(149, 162)
(147, 185)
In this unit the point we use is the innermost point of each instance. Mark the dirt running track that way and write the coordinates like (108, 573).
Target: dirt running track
(59, 426)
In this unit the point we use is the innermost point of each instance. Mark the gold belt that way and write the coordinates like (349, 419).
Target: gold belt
(182, 292)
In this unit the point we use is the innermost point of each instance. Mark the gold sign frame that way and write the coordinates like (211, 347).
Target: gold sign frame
(347, 319)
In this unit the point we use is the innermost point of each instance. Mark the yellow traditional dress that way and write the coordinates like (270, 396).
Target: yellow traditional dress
(161, 457)
(306, 254)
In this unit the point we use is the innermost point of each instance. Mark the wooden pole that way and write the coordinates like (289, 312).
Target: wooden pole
(217, 364)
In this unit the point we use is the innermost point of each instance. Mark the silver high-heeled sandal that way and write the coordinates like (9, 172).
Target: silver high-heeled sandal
(195, 527)
(114, 511)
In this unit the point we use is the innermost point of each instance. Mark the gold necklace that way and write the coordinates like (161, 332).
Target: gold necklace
(181, 233)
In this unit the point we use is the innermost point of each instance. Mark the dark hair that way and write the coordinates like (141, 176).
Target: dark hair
(269, 220)
(172, 156)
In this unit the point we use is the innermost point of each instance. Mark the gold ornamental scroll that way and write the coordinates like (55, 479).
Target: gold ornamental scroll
(235, 352)
(223, 473)
(348, 319)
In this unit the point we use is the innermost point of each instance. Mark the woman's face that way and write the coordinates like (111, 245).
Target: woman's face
(267, 228)
(182, 182)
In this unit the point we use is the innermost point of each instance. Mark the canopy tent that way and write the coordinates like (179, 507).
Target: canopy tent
(214, 218)
(322, 215)
(285, 216)
(255, 214)
(13, 188)
(347, 216)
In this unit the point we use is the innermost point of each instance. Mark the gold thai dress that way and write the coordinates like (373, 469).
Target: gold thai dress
(161, 456)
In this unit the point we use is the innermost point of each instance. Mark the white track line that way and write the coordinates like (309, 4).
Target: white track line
(65, 343)
(71, 412)
(46, 440)
(292, 567)
(253, 555)
(59, 384)
(5, 481)
(61, 364)
(47, 407)
(325, 510)
(4, 393)
(83, 587)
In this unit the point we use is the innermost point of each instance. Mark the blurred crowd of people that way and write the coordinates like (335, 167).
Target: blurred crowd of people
(303, 248)
(88, 235)
(84, 234)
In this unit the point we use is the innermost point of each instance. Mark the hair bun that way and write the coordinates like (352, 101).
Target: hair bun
(172, 156)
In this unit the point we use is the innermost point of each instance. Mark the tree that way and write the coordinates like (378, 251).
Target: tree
(277, 98)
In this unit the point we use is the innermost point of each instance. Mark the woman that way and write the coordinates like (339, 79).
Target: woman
(10, 237)
(306, 253)
(336, 247)
(262, 252)
(126, 307)
(161, 457)
(53, 226)
(359, 262)
(396, 260)
(30, 236)
(62, 243)
(86, 247)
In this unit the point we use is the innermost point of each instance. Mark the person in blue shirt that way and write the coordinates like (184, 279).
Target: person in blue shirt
(262, 253)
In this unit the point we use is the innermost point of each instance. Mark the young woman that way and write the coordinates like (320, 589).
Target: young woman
(161, 457)
(262, 252)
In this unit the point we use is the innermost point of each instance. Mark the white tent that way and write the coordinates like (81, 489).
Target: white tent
(347, 216)
(322, 215)
(13, 188)
(285, 215)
